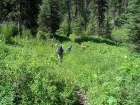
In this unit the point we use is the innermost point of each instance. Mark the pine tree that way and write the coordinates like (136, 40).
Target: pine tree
(22, 12)
(49, 16)
(101, 9)
(133, 21)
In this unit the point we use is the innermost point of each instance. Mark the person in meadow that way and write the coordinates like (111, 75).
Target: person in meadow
(69, 48)
(83, 46)
(76, 45)
(59, 50)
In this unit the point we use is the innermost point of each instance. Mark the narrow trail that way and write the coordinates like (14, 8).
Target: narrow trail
(81, 97)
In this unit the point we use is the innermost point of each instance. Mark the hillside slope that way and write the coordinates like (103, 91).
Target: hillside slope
(32, 74)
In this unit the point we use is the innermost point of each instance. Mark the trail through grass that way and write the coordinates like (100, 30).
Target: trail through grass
(104, 73)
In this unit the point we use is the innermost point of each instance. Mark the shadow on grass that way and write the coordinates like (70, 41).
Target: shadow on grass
(14, 43)
(61, 38)
(95, 39)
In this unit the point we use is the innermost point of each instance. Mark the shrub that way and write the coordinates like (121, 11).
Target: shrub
(77, 29)
(14, 29)
(6, 33)
(63, 30)
(8, 30)
(119, 34)
(26, 33)
(0, 28)
(41, 35)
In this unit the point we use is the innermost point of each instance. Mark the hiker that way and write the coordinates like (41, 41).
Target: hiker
(83, 46)
(69, 48)
(76, 45)
(59, 50)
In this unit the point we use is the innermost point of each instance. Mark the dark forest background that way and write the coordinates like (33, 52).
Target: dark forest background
(117, 20)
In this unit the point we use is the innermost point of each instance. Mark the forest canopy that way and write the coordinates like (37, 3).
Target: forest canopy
(117, 20)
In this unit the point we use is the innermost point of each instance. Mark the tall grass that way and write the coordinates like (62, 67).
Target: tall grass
(32, 74)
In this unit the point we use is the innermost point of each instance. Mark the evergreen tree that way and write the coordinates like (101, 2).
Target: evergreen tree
(49, 16)
(68, 3)
(133, 20)
(1, 7)
(6, 10)
(22, 12)
(92, 18)
(28, 11)
(101, 9)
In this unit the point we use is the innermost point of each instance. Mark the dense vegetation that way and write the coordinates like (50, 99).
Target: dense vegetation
(106, 72)
(102, 73)
(75, 17)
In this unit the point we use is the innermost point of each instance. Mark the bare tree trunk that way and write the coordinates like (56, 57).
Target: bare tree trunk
(19, 16)
(98, 12)
(69, 17)
(113, 15)
(76, 4)
(85, 14)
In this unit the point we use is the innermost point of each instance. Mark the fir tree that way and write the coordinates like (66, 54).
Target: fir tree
(133, 21)
(49, 16)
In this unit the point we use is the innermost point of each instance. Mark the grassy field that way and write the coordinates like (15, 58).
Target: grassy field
(100, 74)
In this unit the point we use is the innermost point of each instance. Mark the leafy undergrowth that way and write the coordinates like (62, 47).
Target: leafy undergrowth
(31, 74)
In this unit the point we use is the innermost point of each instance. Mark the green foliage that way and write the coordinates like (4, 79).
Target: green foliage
(127, 84)
(95, 39)
(120, 34)
(44, 16)
(31, 73)
(49, 16)
(6, 87)
(24, 12)
(41, 35)
(133, 22)
(26, 33)
(63, 30)
(107, 27)
(14, 29)
(6, 33)
(0, 28)
(92, 27)
(8, 30)
(77, 28)
(102, 6)
(28, 76)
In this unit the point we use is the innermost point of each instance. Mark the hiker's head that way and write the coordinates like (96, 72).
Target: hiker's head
(59, 45)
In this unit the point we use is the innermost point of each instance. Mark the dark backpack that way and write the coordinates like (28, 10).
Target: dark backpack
(60, 49)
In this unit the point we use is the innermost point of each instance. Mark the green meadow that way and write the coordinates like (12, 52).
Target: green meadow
(101, 74)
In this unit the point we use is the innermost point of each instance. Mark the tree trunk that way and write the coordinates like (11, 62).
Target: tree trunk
(69, 17)
(19, 16)
(113, 16)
